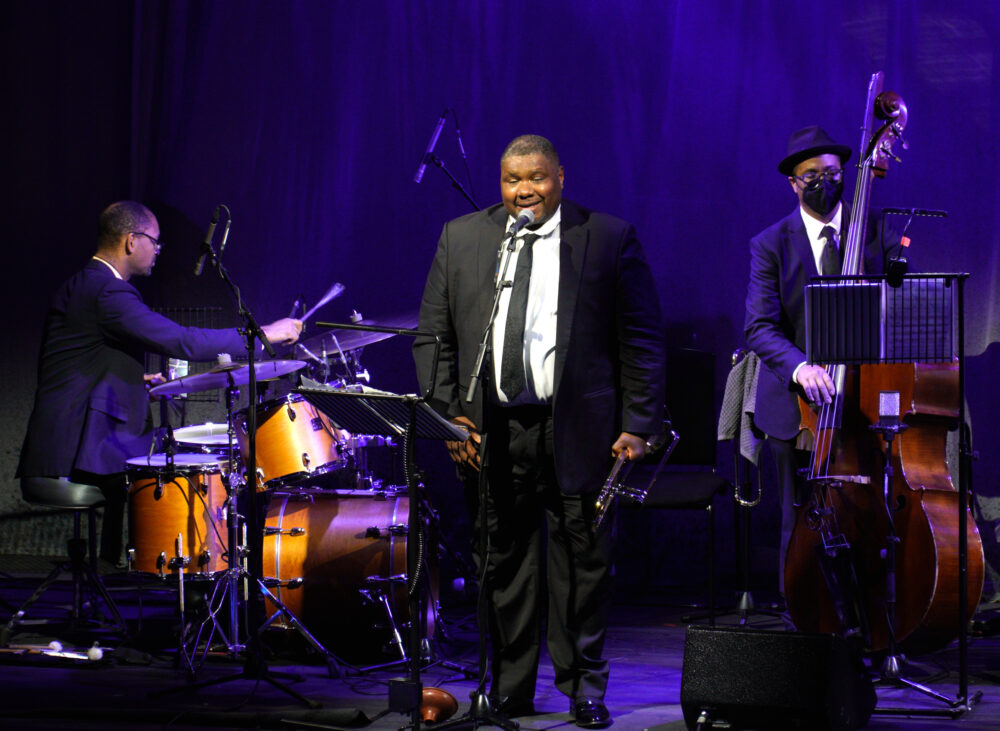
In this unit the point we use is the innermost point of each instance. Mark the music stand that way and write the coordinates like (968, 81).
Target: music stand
(861, 319)
(405, 416)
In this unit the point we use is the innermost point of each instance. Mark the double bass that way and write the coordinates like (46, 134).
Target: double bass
(836, 567)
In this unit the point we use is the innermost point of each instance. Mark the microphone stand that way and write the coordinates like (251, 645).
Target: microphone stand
(454, 182)
(254, 666)
(480, 712)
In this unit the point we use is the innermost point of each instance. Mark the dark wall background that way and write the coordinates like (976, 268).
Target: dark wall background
(308, 120)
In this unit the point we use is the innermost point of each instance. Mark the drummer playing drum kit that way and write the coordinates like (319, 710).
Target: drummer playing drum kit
(334, 543)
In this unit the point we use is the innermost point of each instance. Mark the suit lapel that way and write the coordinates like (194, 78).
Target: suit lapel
(573, 242)
(487, 248)
(799, 242)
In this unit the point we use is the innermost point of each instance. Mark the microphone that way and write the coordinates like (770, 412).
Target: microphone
(430, 147)
(206, 246)
(525, 218)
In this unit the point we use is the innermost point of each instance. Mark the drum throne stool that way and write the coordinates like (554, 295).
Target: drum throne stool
(62, 494)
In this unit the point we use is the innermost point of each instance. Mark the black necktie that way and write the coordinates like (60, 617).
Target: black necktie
(512, 363)
(829, 260)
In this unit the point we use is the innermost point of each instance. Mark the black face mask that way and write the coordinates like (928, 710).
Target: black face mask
(823, 195)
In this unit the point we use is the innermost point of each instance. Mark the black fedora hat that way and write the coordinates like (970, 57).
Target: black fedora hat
(810, 142)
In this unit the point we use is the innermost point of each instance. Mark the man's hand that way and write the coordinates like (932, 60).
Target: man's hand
(465, 453)
(816, 383)
(283, 332)
(153, 379)
(630, 443)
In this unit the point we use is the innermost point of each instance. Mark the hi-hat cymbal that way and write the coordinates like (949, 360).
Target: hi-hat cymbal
(222, 376)
(354, 339)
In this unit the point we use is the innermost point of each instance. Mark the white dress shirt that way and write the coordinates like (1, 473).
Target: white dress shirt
(540, 318)
(813, 229)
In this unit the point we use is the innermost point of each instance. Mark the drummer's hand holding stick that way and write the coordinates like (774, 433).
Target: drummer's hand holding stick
(153, 379)
(283, 332)
(465, 454)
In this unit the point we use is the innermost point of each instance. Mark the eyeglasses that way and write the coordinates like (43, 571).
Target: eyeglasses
(812, 176)
(156, 242)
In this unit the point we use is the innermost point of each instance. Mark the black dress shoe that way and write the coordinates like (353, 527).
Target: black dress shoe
(591, 714)
(512, 707)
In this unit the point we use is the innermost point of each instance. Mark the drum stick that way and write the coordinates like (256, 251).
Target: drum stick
(335, 291)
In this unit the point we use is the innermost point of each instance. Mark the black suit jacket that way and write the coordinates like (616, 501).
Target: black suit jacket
(91, 409)
(781, 263)
(609, 348)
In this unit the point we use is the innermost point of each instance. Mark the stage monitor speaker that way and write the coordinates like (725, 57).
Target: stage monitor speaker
(767, 680)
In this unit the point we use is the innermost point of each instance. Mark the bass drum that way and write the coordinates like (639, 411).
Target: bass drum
(337, 561)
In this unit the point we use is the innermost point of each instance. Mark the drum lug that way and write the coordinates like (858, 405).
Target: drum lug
(272, 531)
(306, 461)
(294, 583)
(204, 560)
(401, 529)
(161, 563)
(291, 410)
(130, 559)
(158, 490)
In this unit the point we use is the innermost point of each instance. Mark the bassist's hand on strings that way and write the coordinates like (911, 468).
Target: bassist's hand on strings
(816, 383)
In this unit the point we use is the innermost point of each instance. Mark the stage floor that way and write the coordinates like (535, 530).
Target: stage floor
(124, 690)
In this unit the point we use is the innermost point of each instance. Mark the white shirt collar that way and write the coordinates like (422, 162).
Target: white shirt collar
(545, 229)
(110, 266)
(815, 226)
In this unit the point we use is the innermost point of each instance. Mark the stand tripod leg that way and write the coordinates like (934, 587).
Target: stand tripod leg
(334, 664)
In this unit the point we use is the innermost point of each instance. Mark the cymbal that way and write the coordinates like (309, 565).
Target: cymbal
(354, 339)
(222, 376)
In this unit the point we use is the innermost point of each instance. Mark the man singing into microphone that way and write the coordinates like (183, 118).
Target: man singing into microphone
(575, 378)
(91, 410)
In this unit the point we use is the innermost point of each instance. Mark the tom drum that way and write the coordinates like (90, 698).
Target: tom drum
(187, 499)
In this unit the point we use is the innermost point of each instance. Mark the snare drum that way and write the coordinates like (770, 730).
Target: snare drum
(206, 438)
(337, 561)
(294, 441)
(186, 500)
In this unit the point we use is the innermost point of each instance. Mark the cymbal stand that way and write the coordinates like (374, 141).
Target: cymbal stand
(891, 672)
(232, 587)
(254, 667)
(227, 585)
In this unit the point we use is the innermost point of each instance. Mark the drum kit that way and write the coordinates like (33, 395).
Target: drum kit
(334, 537)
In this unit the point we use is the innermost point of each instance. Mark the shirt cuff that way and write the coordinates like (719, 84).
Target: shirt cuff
(797, 369)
